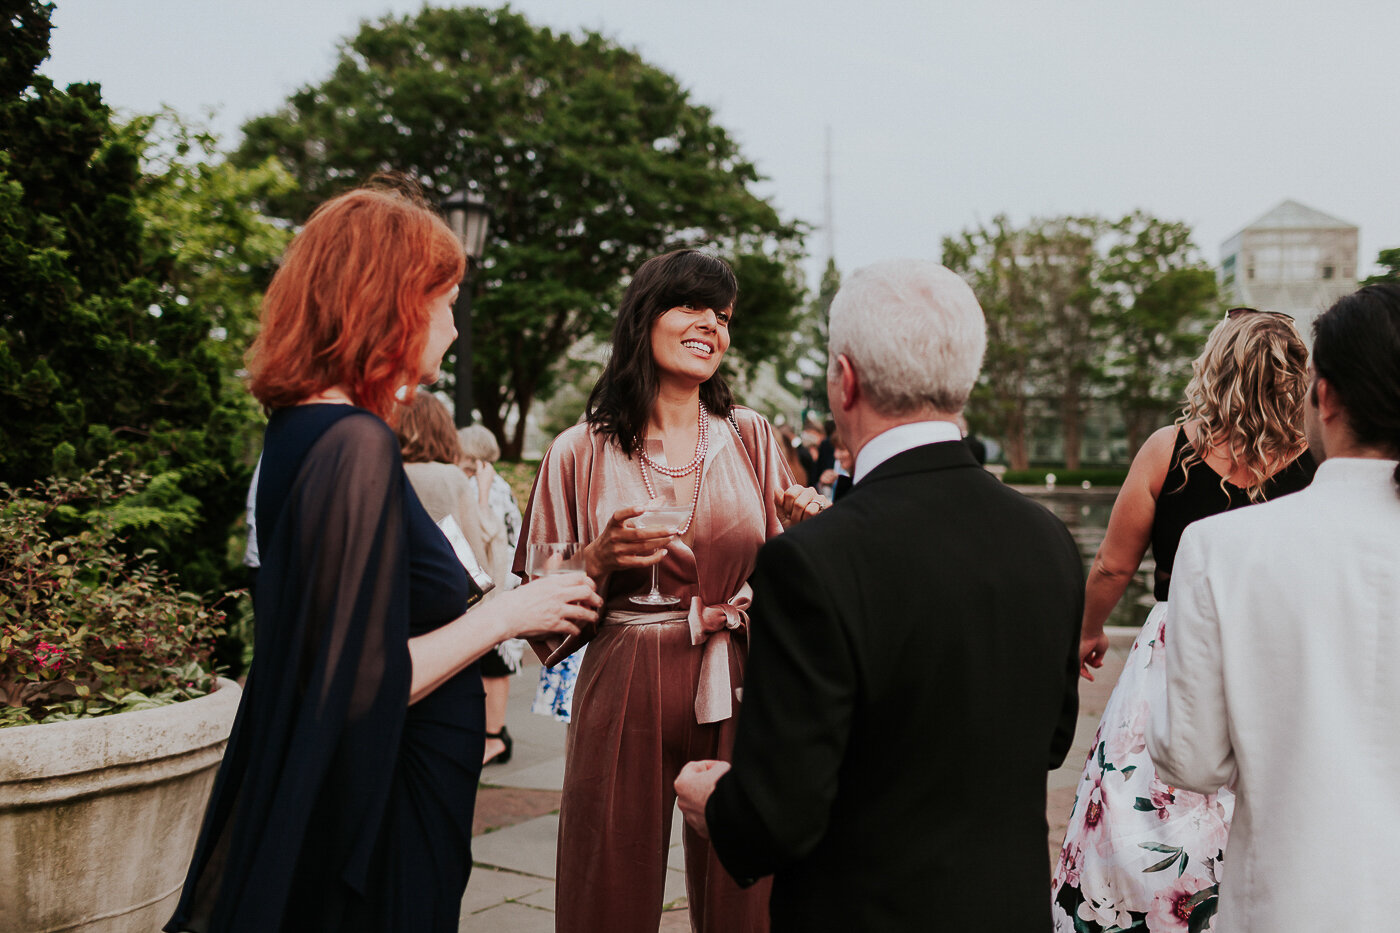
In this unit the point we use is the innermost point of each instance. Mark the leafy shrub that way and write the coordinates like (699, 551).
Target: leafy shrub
(86, 629)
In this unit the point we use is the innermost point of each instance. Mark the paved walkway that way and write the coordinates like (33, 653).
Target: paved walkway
(512, 885)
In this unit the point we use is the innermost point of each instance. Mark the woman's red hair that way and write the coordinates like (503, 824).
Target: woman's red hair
(349, 305)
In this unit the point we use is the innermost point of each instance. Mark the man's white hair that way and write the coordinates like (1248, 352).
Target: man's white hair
(914, 332)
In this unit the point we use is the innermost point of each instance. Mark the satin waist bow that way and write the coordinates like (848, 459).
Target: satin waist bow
(710, 627)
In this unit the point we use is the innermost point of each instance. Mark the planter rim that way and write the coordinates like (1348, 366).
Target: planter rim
(48, 750)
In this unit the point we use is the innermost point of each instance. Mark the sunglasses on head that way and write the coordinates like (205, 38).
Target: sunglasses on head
(1236, 312)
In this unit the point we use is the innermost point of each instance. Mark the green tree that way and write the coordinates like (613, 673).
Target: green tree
(1081, 309)
(806, 362)
(1162, 297)
(1389, 261)
(591, 159)
(96, 357)
(1037, 290)
(204, 235)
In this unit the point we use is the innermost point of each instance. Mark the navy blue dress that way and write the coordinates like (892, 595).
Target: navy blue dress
(338, 805)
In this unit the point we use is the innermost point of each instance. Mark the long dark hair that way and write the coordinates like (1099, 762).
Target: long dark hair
(1356, 348)
(619, 405)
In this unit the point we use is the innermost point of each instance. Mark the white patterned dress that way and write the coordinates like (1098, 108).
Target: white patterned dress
(1138, 854)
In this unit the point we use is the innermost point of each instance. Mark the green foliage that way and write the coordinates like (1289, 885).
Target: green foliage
(86, 628)
(204, 233)
(804, 365)
(590, 159)
(1037, 291)
(1081, 309)
(1389, 260)
(521, 476)
(114, 334)
(1163, 299)
(769, 310)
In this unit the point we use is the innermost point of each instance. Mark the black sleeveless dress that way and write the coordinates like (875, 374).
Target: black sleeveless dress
(338, 806)
(1190, 496)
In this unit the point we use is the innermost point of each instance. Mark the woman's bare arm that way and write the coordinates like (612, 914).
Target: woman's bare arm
(1124, 544)
(554, 605)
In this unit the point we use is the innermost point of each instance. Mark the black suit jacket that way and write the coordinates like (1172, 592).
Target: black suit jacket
(911, 678)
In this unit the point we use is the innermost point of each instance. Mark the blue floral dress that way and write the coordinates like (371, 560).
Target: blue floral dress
(555, 694)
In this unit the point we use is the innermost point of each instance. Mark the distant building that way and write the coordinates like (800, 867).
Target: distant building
(1293, 259)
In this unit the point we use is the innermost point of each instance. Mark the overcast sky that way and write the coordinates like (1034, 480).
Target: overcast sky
(942, 113)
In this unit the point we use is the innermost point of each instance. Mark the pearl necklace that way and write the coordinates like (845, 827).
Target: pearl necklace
(702, 447)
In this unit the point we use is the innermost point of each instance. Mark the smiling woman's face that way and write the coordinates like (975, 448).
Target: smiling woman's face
(688, 343)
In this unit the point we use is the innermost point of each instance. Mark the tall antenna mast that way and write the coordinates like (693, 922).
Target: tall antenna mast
(828, 214)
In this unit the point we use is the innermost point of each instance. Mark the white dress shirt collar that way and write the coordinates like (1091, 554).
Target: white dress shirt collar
(898, 439)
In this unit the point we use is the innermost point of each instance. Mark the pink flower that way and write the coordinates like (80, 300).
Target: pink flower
(1204, 824)
(1163, 796)
(1071, 858)
(1171, 908)
(49, 657)
(1129, 739)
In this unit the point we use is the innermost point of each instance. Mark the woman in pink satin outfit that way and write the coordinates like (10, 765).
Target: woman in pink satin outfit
(659, 686)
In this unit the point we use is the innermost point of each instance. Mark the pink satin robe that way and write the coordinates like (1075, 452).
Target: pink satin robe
(635, 705)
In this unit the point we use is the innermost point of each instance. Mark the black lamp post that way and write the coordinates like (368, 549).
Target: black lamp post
(469, 218)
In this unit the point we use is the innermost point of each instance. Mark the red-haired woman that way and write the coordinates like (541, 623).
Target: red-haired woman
(345, 798)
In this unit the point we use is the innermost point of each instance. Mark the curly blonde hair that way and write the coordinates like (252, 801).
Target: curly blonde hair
(1247, 391)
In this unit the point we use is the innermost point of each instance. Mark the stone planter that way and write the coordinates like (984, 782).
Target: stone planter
(98, 817)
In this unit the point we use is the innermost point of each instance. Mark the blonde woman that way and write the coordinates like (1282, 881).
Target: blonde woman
(479, 452)
(1137, 850)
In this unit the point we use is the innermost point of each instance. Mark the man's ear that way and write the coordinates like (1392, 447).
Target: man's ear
(848, 380)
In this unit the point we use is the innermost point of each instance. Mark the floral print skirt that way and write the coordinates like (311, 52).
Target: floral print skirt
(1139, 855)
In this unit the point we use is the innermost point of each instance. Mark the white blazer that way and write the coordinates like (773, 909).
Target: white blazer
(1283, 667)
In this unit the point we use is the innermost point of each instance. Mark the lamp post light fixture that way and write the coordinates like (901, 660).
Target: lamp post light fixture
(469, 218)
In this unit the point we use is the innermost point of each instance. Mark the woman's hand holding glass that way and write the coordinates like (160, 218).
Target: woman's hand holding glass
(623, 546)
(555, 604)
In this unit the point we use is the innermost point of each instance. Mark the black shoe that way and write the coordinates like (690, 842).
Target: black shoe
(501, 757)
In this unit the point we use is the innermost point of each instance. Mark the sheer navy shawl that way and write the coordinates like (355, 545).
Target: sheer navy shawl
(300, 796)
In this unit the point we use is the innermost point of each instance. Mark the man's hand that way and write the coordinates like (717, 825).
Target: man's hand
(693, 789)
(798, 503)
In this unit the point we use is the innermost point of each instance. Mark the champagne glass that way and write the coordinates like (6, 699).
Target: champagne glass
(659, 516)
(549, 557)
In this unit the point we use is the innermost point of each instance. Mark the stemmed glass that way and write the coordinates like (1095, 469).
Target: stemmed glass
(659, 515)
(548, 557)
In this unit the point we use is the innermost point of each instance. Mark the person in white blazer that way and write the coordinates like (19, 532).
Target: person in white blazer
(1282, 665)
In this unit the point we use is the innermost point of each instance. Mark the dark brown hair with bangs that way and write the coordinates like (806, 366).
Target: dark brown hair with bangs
(619, 405)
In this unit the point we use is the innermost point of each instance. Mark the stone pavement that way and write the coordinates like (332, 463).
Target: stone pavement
(517, 820)
(517, 812)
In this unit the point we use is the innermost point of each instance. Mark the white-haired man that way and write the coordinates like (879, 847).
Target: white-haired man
(914, 654)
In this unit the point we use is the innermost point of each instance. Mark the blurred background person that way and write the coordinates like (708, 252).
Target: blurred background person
(497, 505)
(428, 444)
(791, 444)
(815, 454)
